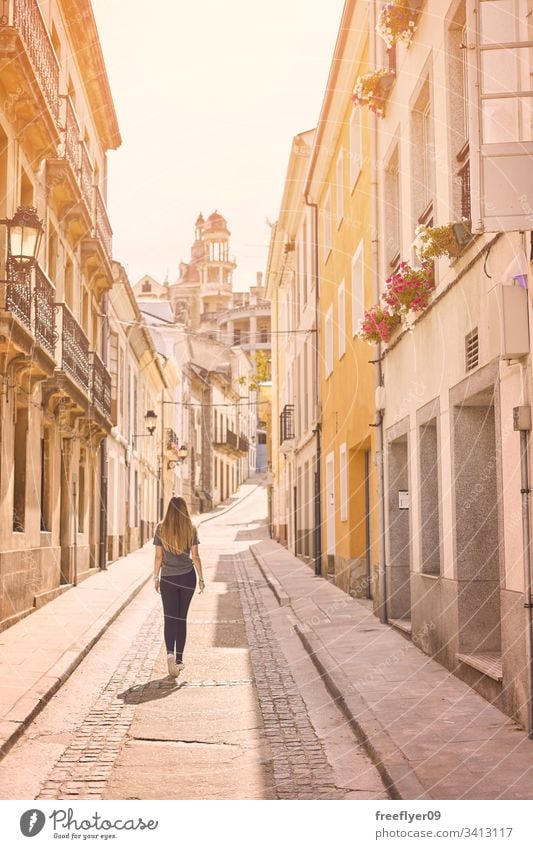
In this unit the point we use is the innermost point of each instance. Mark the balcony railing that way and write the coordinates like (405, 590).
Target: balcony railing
(103, 227)
(74, 349)
(101, 386)
(286, 423)
(71, 137)
(231, 439)
(243, 445)
(172, 440)
(26, 17)
(30, 297)
(86, 173)
(18, 294)
(45, 314)
(208, 316)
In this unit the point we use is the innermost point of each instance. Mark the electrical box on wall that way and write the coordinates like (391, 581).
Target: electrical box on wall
(514, 322)
(522, 418)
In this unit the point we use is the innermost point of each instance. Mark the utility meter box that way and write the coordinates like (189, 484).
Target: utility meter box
(522, 418)
(514, 322)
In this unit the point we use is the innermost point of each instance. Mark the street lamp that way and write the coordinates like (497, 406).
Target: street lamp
(183, 453)
(24, 234)
(150, 419)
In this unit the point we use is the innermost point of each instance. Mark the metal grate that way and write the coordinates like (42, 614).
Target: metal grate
(286, 423)
(472, 350)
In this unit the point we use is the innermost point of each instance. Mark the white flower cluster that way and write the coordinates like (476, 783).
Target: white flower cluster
(395, 23)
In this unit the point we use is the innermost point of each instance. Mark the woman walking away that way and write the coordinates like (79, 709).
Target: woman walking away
(176, 563)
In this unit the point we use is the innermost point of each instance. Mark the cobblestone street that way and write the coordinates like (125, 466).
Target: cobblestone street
(248, 718)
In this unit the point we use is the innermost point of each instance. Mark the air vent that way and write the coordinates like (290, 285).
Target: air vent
(472, 350)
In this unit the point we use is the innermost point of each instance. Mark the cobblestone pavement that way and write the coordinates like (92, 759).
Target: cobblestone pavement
(84, 768)
(248, 719)
(300, 767)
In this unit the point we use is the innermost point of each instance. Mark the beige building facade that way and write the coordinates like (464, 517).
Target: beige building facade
(55, 405)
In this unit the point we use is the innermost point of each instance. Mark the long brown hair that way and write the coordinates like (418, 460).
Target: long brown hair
(177, 532)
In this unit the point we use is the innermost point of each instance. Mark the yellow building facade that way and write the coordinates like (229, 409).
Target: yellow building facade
(339, 182)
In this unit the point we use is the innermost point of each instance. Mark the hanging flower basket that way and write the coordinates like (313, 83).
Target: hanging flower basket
(397, 21)
(372, 90)
(409, 288)
(433, 242)
(378, 324)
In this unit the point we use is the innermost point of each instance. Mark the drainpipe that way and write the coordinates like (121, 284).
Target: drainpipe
(318, 476)
(522, 423)
(378, 371)
(526, 536)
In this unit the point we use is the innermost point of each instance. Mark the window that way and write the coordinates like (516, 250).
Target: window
(392, 213)
(341, 318)
(19, 470)
(356, 146)
(327, 237)
(46, 491)
(146, 287)
(358, 288)
(422, 156)
(329, 342)
(81, 493)
(344, 483)
(339, 178)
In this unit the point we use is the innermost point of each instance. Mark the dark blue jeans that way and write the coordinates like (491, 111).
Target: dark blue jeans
(176, 594)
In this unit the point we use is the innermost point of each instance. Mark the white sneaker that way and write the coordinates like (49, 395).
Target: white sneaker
(173, 670)
(180, 667)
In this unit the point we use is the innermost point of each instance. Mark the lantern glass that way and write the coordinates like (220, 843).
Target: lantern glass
(25, 232)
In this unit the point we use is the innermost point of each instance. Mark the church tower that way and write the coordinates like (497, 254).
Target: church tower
(216, 273)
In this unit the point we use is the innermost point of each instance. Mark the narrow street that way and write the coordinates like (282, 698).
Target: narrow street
(249, 718)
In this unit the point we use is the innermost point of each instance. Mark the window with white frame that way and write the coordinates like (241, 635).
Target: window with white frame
(339, 174)
(356, 146)
(328, 342)
(344, 483)
(358, 288)
(327, 237)
(341, 319)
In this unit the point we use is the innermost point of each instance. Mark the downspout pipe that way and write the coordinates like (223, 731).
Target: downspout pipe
(318, 426)
(378, 371)
(526, 536)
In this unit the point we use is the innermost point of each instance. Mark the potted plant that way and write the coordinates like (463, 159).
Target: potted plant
(378, 323)
(397, 21)
(410, 288)
(433, 242)
(372, 89)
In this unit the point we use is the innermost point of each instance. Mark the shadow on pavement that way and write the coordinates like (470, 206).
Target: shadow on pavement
(152, 691)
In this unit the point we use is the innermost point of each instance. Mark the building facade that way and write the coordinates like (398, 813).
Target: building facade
(55, 132)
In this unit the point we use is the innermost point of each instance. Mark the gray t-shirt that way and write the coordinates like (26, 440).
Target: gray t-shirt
(175, 564)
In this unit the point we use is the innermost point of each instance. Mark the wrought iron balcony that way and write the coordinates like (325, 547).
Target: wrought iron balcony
(172, 440)
(232, 444)
(243, 445)
(45, 330)
(30, 298)
(286, 423)
(74, 352)
(32, 66)
(100, 385)
(102, 225)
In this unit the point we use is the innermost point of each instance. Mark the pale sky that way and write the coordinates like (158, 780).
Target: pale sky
(209, 94)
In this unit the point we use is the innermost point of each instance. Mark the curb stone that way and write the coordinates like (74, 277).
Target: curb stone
(23, 712)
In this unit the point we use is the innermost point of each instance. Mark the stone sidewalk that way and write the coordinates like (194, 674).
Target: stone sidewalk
(39, 653)
(429, 734)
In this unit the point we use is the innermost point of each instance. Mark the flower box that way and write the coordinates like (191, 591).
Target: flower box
(378, 324)
(397, 21)
(372, 90)
(410, 288)
(433, 242)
